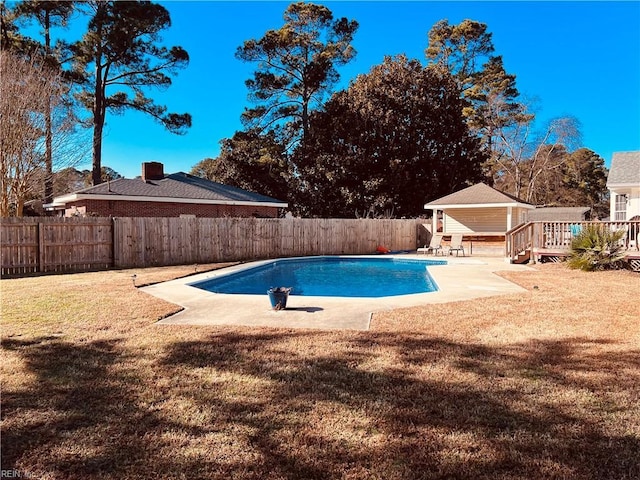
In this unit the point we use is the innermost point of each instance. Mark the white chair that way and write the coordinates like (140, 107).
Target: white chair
(435, 245)
(456, 244)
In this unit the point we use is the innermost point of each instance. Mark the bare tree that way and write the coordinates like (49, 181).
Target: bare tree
(523, 154)
(560, 136)
(27, 88)
(47, 15)
(511, 150)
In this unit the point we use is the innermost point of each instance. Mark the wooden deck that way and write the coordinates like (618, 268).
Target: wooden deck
(551, 241)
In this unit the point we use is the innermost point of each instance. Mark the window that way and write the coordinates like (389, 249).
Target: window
(621, 208)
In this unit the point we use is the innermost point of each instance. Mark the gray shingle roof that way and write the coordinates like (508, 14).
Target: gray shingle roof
(478, 194)
(177, 185)
(625, 169)
(558, 214)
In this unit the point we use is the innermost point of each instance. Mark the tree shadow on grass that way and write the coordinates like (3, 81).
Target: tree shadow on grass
(304, 405)
(532, 410)
(80, 417)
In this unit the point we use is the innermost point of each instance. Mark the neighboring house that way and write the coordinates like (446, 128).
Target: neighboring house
(158, 195)
(478, 210)
(623, 183)
(558, 214)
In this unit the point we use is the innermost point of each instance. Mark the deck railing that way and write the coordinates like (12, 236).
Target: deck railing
(519, 240)
(558, 235)
(554, 238)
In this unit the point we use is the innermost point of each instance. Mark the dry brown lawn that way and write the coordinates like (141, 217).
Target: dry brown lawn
(539, 385)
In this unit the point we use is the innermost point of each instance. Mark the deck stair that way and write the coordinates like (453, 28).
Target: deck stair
(519, 243)
(522, 257)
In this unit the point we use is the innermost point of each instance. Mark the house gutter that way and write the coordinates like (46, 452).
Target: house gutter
(433, 206)
(130, 198)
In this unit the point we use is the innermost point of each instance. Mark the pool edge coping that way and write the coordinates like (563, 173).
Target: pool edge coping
(236, 269)
(464, 278)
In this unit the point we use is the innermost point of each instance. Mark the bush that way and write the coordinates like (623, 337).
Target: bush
(597, 248)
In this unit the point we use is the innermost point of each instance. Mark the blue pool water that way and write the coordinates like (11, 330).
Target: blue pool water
(331, 277)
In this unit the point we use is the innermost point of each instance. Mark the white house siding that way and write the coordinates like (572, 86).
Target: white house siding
(632, 204)
(470, 220)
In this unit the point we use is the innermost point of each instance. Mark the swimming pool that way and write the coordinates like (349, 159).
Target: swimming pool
(331, 277)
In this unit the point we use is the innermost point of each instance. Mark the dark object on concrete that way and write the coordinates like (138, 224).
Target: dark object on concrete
(278, 297)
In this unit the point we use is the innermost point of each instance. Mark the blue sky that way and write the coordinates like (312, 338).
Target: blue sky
(573, 58)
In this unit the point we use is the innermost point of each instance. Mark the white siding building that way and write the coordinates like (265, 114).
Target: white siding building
(478, 210)
(623, 183)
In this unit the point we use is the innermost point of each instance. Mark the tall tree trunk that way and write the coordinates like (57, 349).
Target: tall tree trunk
(48, 178)
(98, 112)
(4, 196)
(517, 182)
(96, 173)
(98, 125)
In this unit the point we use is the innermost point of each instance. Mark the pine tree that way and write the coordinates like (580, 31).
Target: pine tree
(118, 59)
(296, 67)
(491, 97)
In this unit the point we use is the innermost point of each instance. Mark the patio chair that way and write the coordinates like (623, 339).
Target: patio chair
(456, 244)
(435, 245)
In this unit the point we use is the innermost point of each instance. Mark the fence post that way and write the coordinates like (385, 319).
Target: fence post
(114, 259)
(41, 248)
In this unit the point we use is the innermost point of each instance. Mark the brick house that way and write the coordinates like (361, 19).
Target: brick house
(155, 194)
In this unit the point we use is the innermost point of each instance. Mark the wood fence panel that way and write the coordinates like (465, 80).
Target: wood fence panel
(223, 231)
(222, 238)
(179, 248)
(287, 235)
(245, 237)
(192, 241)
(205, 245)
(265, 238)
(228, 236)
(155, 235)
(302, 237)
(127, 245)
(32, 245)
(19, 247)
(80, 244)
(162, 240)
(302, 234)
(72, 245)
(307, 232)
(314, 241)
(351, 235)
(161, 243)
(334, 237)
(371, 237)
(295, 238)
(219, 240)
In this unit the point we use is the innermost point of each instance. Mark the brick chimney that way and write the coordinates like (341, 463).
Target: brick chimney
(152, 171)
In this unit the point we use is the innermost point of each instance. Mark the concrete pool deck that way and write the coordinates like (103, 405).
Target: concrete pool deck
(464, 278)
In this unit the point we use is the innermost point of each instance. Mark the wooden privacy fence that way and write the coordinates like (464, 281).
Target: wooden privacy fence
(81, 244)
(32, 245)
